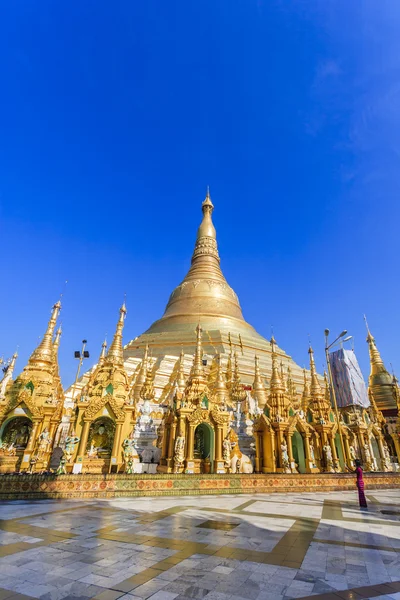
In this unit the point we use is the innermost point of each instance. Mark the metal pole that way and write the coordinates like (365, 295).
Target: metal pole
(81, 359)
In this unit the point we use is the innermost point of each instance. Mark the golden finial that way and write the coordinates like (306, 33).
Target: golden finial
(45, 351)
(115, 353)
(206, 228)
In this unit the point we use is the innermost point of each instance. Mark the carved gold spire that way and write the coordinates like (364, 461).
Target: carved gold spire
(238, 393)
(147, 391)
(56, 346)
(220, 388)
(278, 398)
(282, 371)
(44, 353)
(305, 398)
(115, 353)
(8, 373)
(291, 387)
(276, 383)
(141, 376)
(327, 388)
(380, 382)
(103, 352)
(315, 388)
(56, 343)
(197, 369)
(181, 379)
(259, 391)
(196, 386)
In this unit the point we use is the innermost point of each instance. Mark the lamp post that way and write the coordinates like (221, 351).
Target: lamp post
(81, 355)
(327, 348)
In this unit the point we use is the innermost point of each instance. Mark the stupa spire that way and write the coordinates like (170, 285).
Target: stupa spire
(380, 382)
(44, 353)
(181, 379)
(8, 373)
(315, 388)
(115, 353)
(56, 343)
(220, 388)
(103, 352)
(327, 388)
(305, 398)
(276, 383)
(376, 362)
(197, 370)
(259, 391)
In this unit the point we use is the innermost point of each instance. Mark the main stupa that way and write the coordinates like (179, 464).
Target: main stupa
(204, 297)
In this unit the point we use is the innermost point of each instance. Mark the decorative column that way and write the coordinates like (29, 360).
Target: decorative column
(290, 450)
(32, 438)
(396, 441)
(373, 459)
(346, 448)
(335, 458)
(258, 453)
(382, 453)
(116, 445)
(218, 443)
(165, 440)
(30, 445)
(190, 442)
(83, 442)
(171, 443)
(306, 440)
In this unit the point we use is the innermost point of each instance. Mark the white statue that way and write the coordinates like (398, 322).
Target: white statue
(386, 458)
(92, 452)
(70, 443)
(129, 449)
(226, 451)
(285, 457)
(353, 454)
(238, 464)
(312, 453)
(179, 455)
(11, 450)
(328, 457)
(43, 443)
(367, 454)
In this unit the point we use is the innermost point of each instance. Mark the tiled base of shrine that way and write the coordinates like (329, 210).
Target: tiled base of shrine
(21, 487)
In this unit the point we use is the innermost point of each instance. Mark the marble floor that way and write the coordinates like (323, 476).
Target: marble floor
(261, 547)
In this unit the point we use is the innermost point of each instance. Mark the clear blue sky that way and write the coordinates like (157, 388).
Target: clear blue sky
(115, 116)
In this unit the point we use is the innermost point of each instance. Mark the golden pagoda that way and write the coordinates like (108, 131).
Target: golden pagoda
(205, 295)
(105, 416)
(31, 407)
(380, 382)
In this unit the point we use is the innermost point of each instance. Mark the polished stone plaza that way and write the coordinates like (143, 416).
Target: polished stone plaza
(260, 547)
